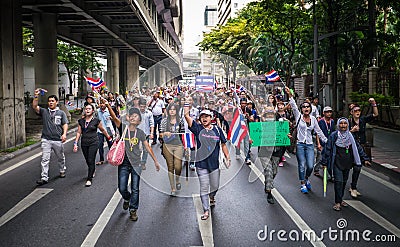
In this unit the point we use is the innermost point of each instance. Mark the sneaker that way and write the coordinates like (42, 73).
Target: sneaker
(143, 167)
(41, 182)
(303, 189)
(308, 184)
(237, 157)
(283, 159)
(125, 205)
(248, 162)
(192, 166)
(280, 164)
(133, 215)
(62, 174)
(88, 183)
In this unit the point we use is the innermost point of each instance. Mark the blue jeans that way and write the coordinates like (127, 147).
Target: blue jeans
(341, 177)
(124, 170)
(305, 160)
(101, 144)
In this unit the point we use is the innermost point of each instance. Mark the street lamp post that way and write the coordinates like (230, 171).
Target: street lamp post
(315, 60)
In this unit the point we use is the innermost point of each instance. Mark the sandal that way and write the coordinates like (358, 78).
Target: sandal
(316, 174)
(344, 204)
(100, 163)
(336, 207)
(205, 215)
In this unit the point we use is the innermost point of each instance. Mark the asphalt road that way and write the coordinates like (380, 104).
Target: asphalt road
(65, 213)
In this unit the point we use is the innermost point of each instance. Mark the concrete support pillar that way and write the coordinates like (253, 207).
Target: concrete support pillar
(348, 90)
(152, 78)
(115, 69)
(157, 76)
(45, 57)
(123, 72)
(12, 109)
(132, 70)
(109, 69)
(372, 79)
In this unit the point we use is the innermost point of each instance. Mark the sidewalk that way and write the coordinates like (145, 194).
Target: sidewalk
(385, 152)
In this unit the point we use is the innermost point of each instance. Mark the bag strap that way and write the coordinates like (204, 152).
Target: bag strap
(119, 142)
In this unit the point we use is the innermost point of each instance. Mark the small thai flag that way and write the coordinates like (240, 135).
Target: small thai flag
(272, 76)
(240, 88)
(188, 140)
(95, 83)
(69, 103)
(178, 89)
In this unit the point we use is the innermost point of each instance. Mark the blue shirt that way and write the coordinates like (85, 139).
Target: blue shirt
(208, 145)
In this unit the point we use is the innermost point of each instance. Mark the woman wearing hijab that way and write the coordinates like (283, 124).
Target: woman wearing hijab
(341, 152)
(305, 124)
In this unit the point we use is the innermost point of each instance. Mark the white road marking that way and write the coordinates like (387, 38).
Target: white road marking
(29, 200)
(288, 209)
(205, 226)
(102, 221)
(26, 160)
(380, 180)
(389, 166)
(367, 211)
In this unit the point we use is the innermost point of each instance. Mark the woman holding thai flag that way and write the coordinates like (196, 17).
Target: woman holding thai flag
(209, 139)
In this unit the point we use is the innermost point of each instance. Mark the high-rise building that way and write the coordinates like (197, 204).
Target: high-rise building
(210, 16)
(229, 8)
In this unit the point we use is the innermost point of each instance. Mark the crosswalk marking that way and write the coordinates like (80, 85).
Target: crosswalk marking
(380, 180)
(367, 211)
(102, 221)
(204, 225)
(26, 160)
(25, 203)
(288, 209)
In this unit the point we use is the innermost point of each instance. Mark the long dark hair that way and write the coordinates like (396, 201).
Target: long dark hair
(176, 106)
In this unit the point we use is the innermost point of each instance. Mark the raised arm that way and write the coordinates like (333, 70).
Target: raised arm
(293, 104)
(35, 101)
(114, 117)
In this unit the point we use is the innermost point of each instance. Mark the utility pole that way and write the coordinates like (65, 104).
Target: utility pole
(315, 60)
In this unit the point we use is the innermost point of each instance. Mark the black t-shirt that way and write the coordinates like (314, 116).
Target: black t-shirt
(89, 131)
(360, 136)
(344, 159)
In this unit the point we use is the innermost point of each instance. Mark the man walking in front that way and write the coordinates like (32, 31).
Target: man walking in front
(54, 134)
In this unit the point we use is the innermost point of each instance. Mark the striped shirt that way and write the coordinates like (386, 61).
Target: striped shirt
(304, 132)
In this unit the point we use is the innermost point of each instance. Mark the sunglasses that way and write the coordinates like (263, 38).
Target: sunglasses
(305, 106)
(357, 110)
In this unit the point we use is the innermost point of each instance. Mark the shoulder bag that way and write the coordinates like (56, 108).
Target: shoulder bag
(116, 153)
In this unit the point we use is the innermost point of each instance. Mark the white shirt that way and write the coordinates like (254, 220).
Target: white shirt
(157, 107)
(304, 132)
(193, 113)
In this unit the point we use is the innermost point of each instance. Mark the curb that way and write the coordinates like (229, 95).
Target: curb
(392, 172)
(17, 153)
(387, 129)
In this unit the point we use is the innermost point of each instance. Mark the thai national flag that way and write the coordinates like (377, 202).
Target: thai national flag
(69, 103)
(238, 130)
(204, 88)
(272, 76)
(188, 140)
(95, 83)
(178, 89)
(240, 88)
(215, 84)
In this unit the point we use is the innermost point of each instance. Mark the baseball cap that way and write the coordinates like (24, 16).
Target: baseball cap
(327, 108)
(207, 112)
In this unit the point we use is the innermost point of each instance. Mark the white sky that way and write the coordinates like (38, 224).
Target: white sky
(193, 22)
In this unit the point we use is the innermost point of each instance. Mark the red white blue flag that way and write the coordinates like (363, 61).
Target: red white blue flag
(238, 130)
(188, 140)
(272, 76)
(95, 83)
(178, 89)
(239, 88)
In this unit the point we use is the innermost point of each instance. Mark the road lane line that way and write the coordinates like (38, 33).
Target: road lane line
(367, 211)
(102, 221)
(288, 209)
(205, 226)
(29, 200)
(380, 180)
(26, 160)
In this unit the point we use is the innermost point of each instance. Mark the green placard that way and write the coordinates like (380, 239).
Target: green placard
(270, 134)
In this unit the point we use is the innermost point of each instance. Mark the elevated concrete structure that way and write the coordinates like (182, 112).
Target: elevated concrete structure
(134, 32)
